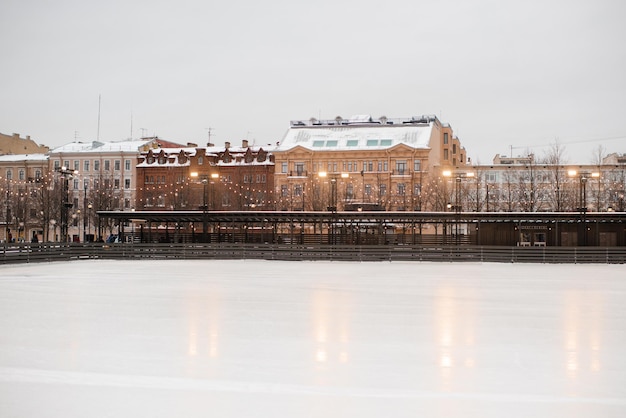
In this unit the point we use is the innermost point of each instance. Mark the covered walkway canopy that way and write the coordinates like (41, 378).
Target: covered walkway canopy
(376, 227)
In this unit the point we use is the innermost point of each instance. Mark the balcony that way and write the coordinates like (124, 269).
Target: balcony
(298, 173)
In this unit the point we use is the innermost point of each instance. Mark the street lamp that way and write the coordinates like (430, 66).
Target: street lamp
(66, 175)
(89, 207)
(333, 199)
(205, 204)
(458, 205)
(333, 187)
(582, 197)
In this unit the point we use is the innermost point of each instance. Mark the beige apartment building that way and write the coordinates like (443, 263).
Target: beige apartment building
(23, 180)
(363, 163)
(14, 144)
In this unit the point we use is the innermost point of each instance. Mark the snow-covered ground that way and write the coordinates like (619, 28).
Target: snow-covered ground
(311, 339)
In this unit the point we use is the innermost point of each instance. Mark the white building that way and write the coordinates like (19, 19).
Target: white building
(105, 180)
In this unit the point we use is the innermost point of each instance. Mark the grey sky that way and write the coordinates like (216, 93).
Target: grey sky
(502, 73)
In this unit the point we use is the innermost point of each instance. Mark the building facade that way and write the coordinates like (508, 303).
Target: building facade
(101, 177)
(361, 163)
(14, 144)
(222, 178)
(24, 182)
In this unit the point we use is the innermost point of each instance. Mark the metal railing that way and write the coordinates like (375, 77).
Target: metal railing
(47, 252)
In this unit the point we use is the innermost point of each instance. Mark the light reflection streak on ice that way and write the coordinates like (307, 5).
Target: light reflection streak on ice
(578, 346)
(203, 316)
(454, 334)
(331, 316)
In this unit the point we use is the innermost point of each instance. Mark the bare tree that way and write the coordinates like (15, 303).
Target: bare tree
(554, 160)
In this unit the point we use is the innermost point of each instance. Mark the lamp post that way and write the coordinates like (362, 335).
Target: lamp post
(583, 177)
(89, 207)
(86, 213)
(205, 203)
(66, 175)
(458, 204)
(333, 199)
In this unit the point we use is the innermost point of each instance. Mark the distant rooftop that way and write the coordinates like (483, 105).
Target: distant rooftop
(358, 132)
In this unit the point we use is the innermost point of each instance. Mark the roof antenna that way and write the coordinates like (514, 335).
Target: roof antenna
(98, 132)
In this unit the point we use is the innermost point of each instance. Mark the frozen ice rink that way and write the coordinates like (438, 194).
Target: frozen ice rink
(312, 339)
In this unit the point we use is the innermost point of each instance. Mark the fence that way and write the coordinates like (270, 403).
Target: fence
(46, 252)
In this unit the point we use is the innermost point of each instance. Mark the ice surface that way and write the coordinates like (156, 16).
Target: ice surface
(311, 339)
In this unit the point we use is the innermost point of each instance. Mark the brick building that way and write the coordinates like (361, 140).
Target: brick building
(226, 178)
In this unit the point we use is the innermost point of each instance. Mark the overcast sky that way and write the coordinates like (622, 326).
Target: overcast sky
(504, 74)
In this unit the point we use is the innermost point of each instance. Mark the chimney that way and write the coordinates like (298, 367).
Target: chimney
(226, 144)
(244, 143)
(209, 144)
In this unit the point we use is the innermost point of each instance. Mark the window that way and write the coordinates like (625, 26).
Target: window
(66, 164)
(76, 165)
(116, 183)
(107, 165)
(86, 165)
(283, 167)
(284, 191)
(57, 164)
(117, 165)
(297, 190)
(318, 144)
(9, 175)
(385, 142)
(96, 165)
(380, 166)
(453, 148)
(21, 175)
(127, 165)
(126, 203)
(417, 189)
(382, 189)
(200, 160)
(417, 165)
(400, 167)
(350, 166)
(372, 142)
(401, 189)
(38, 175)
(445, 154)
(349, 191)
(127, 183)
(86, 184)
(352, 142)
(331, 143)
(300, 169)
(368, 190)
(385, 166)
(445, 138)
(75, 184)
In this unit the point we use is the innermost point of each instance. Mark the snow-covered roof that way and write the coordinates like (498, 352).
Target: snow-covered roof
(23, 157)
(359, 132)
(96, 146)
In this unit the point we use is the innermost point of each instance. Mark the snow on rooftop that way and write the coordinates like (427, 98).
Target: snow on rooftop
(23, 157)
(353, 137)
(96, 146)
